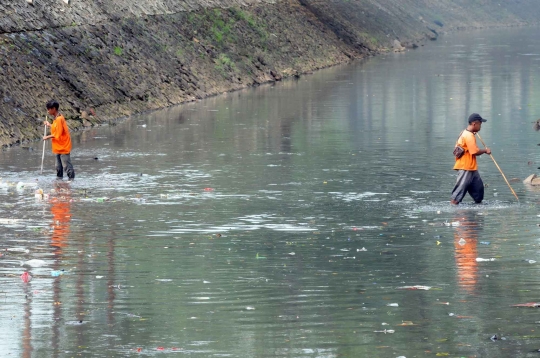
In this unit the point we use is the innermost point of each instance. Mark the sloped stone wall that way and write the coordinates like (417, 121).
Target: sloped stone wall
(104, 59)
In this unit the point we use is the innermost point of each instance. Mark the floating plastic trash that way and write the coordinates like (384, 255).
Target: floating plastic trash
(25, 277)
(34, 263)
(416, 287)
(479, 259)
(392, 305)
(485, 242)
(385, 331)
(249, 308)
(22, 186)
(40, 195)
(362, 249)
(531, 261)
(529, 304)
(57, 273)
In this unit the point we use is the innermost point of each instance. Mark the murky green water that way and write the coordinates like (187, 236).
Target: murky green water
(284, 221)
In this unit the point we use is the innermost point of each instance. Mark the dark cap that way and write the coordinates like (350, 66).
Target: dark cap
(475, 117)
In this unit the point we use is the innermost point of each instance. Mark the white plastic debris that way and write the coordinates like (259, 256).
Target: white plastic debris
(385, 331)
(21, 185)
(479, 259)
(34, 263)
(392, 305)
(415, 287)
(250, 308)
(362, 249)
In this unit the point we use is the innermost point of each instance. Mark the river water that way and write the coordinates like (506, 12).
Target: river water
(289, 220)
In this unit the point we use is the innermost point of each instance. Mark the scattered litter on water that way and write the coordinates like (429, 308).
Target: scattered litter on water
(57, 273)
(249, 308)
(385, 331)
(479, 259)
(292, 253)
(98, 277)
(25, 277)
(529, 304)
(163, 279)
(453, 223)
(75, 323)
(407, 323)
(9, 221)
(18, 249)
(416, 287)
(34, 263)
(259, 257)
(393, 305)
(530, 261)
(485, 242)
(361, 250)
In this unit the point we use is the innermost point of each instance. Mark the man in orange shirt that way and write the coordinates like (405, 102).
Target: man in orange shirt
(61, 141)
(468, 179)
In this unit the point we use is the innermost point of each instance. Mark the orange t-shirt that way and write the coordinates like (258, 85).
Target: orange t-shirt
(467, 141)
(61, 141)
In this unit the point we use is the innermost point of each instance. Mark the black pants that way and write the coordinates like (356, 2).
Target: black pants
(63, 162)
(468, 181)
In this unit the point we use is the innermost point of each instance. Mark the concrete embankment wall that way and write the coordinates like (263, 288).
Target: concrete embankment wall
(107, 59)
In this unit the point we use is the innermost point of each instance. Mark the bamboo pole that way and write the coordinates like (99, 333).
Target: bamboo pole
(44, 142)
(497, 165)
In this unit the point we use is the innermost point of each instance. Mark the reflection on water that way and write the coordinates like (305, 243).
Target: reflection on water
(286, 220)
(465, 243)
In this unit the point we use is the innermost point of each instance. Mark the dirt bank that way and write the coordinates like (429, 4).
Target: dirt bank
(104, 61)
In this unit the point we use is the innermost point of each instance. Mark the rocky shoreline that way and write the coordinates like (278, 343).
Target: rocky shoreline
(108, 61)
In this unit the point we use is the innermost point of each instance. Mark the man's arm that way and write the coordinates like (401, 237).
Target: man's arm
(473, 148)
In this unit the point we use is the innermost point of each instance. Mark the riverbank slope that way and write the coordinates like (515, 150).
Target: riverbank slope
(104, 61)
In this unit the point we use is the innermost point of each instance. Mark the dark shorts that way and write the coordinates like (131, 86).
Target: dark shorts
(468, 182)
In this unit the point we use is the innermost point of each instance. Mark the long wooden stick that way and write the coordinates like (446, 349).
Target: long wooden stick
(513, 192)
(43, 155)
